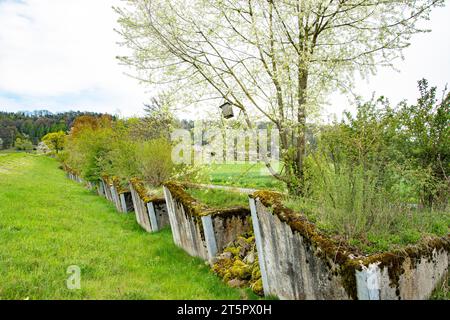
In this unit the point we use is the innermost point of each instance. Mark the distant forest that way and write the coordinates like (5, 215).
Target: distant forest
(34, 125)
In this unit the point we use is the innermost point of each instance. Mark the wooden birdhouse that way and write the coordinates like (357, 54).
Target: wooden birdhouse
(227, 110)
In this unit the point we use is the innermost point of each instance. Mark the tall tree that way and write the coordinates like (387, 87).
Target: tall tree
(275, 59)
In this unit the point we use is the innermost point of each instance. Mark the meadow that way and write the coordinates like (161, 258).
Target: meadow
(48, 223)
(241, 174)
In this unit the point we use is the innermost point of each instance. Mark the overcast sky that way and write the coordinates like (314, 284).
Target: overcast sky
(59, 55)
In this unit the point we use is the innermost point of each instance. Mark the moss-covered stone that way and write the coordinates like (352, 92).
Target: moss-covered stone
(68, 169)
(257, 287)
(233, 266)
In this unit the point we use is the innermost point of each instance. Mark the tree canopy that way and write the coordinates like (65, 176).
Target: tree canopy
(270, 59)
(33, 125)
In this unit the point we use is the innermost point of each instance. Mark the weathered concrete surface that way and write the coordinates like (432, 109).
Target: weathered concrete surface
(295, 266)
(187, 231)
(107, 189)
(227, 227)
(202, 232)
(140, 210)
(293, 271)
(420, 276)
(152, 215)
(126, 202)
(157, 210)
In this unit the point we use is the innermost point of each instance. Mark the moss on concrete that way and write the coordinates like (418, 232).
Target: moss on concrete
(341, 254)
(196, 208)
(139, 186)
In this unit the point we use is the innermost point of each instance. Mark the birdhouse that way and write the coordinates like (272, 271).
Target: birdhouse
(227, 110)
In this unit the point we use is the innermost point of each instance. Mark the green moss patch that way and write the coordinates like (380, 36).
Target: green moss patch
(375, 232)
(238, 265)
(197, 208)
(145, 193)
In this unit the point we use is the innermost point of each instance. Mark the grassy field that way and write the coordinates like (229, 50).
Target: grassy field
(246, 175)
(48, 223)
(219, 198)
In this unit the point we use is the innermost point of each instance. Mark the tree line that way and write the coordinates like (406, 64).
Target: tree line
(31, 127)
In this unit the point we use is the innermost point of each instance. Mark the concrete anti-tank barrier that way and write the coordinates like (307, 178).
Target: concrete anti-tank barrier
(297, 261)
(151, 212)
(201, 231)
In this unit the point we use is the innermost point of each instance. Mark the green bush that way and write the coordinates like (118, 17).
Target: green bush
(380, 178)
(88, 147)
(154, 161)
(23, 145)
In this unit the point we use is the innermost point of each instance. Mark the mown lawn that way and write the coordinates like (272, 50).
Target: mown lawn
(48, 223)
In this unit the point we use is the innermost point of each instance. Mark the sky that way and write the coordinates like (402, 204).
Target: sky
(59, 55)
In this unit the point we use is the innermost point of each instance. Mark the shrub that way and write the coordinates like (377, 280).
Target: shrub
(88, 146)
(154, 161)
(23, 145)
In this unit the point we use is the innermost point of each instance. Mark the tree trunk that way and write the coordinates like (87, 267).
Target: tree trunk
(297, 166)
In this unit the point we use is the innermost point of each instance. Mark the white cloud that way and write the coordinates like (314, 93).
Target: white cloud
(51, 49)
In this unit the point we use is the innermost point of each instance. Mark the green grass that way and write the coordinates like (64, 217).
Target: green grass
(384, 230)
(443, 291)
(245, 175)
(48, 223)
(219, 198)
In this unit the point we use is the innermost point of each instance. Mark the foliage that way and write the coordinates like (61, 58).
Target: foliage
(442, 292)
(271, 59)
(23, 145)
(55, 141)
(34, 125)
(380, 178)
(154, 161)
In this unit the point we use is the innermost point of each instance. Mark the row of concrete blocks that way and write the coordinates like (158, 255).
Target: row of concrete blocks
(292, 265)
(78, 179)
(151, 216)
(204, 234)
